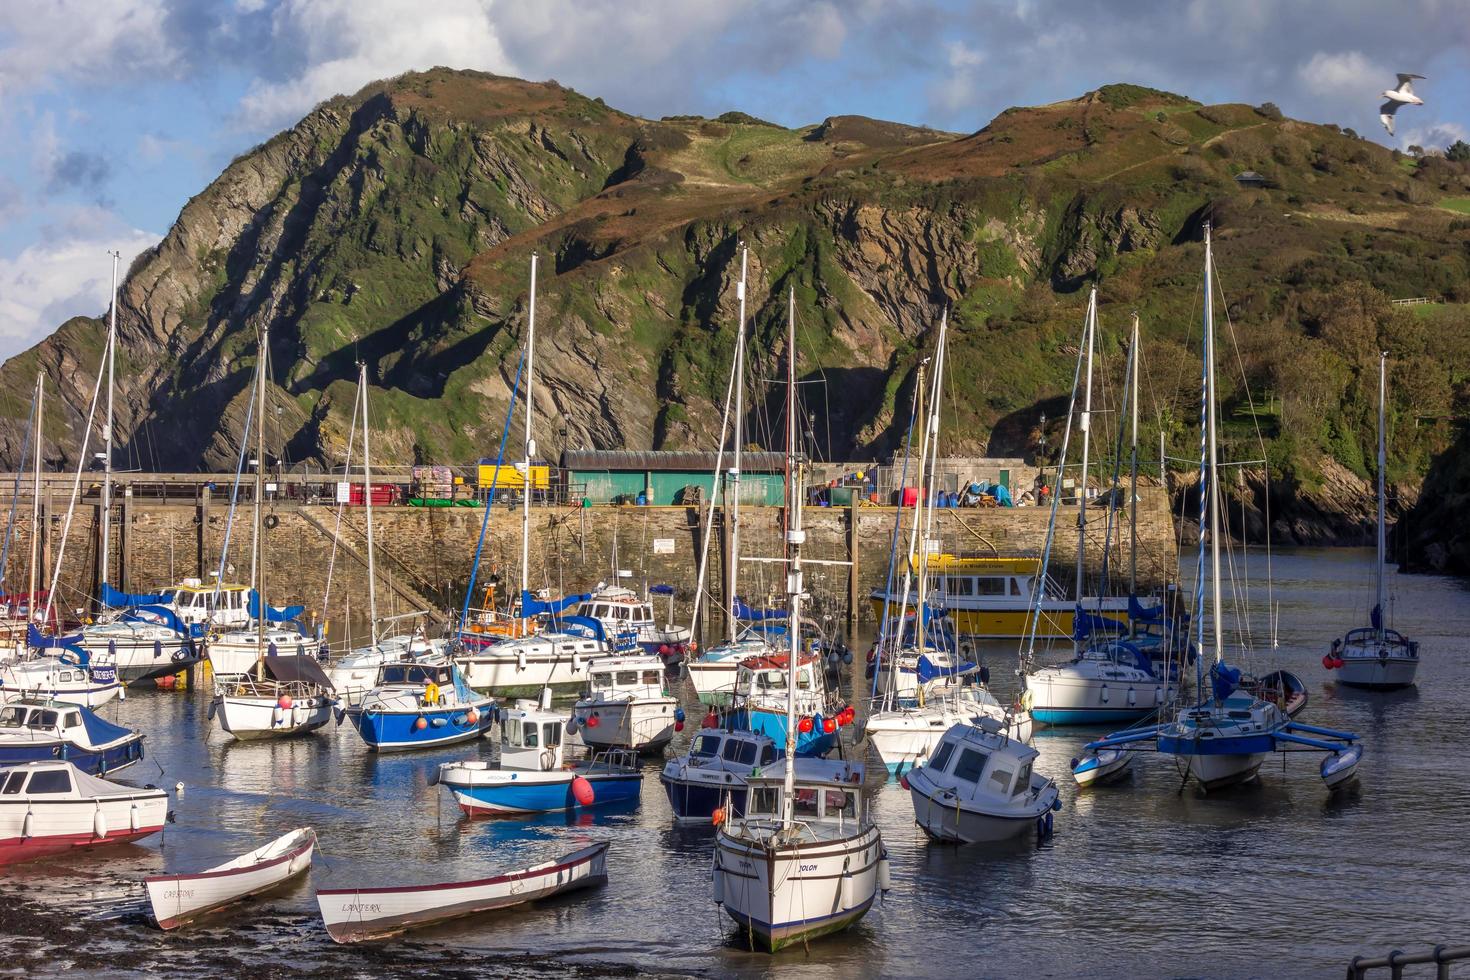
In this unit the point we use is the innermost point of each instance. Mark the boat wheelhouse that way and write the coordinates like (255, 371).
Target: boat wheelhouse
(979, 785)
(760, 696)
(626, 705)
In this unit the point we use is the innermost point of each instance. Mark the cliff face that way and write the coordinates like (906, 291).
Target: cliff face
(395, 227)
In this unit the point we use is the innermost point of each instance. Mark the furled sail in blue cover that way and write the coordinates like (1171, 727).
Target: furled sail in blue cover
(113, 599)
(532, 606)
(273, 615)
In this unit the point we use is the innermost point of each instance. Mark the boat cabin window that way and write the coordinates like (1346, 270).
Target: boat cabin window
(1000, 780)
(1023, 780)
(510, 735)
(768, 754)
(773, 680)
(970, 765)
(72, 719)
(13, 783)
(551, 734)
(941, 757)
(1016, 587)
(42, 719)
(12, 717)
(627, 677)
(959, 585)
(705, 746)
(602, 680)
(804, 679)
(651, 678)
(805, 805)
(531, 739)
(64, 676)
(765, 800)
(50, 781)
(990, 585)
(740, 752)
(839, 803)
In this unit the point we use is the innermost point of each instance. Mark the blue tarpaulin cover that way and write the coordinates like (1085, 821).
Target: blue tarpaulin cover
(532, 606)
(100, 730)
(742, 611)
(114, 599)
(39, 642)
(272, 614)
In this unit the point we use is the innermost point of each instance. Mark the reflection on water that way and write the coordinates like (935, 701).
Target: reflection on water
(1139, 874)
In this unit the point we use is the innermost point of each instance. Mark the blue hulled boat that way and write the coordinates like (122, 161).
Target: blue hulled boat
(760, 703)
(38, 729)
(533, 777)
(419, 706)
(713, 772)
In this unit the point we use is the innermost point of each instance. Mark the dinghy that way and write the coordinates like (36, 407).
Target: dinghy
(177, 899)
(53, 807)
(1102, 766)
(354, 914)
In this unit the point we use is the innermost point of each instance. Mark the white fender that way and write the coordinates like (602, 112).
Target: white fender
(1159, 695)
(278, 716)
(135, 819)
(520, 659)
(99, 823)
(28, 826)
(885, 873)
(719, 883)
(1132, 697)
(213, 707)
(1103, 694)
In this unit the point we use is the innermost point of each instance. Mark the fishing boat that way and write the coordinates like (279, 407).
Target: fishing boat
(355, 914)
(626, 705)
(71, 675)
(179, 899)
(627, 618)
(355, 673)
(764, 686)
(805, 859)
(1222, 739)
(53, 807)
(33, 729)
(534, 776)
(712, 775)
(979, 786)
(1376, 657)
(417, 706)
(281, 697)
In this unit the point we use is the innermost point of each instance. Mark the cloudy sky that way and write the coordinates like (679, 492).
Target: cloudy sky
(114, 112)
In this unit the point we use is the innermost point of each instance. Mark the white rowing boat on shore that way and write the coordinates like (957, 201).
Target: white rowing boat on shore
(177, 899)
(354, 914)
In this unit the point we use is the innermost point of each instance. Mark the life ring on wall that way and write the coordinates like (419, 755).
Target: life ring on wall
(271, 521)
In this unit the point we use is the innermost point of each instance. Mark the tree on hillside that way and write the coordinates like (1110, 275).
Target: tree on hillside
(1415, 150)
(1459, 151)
(1269, 109)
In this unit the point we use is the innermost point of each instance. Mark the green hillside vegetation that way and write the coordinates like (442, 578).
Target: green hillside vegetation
(395, 226)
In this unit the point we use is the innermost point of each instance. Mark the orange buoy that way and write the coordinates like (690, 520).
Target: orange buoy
(420, 723)
(718, 817)
(582, 791)
(285, 702)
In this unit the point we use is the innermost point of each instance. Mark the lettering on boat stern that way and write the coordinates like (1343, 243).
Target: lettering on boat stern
(361, 907)
(808, 867)
(179, 893)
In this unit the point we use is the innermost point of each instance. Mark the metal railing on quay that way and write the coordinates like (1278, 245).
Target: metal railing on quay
(1440, 956)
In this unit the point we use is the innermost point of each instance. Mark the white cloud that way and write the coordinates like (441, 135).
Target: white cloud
(1344, 73)
(66, 273)
(958, 89)
(1434, 136)
(96, 39)
(342, 45)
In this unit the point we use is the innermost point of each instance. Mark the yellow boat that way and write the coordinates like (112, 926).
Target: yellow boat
(990, 598)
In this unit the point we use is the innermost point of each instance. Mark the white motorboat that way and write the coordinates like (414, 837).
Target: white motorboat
(354, 914)
(283, 696)
(355, 673)
(627, 618)
(182, 898)
(906, 735)
(140, 648)
(53, 807)
(712, 775)
(980, 786)
(626, 706)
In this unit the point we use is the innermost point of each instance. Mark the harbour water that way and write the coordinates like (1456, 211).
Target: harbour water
(1273, 879)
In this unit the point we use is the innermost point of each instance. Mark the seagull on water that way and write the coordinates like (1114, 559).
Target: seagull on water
(1397, 97)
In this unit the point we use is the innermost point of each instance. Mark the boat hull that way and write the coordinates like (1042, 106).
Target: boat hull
(505, 793)
(505, 677)
(353, 915)
(695, 801)
(144, 660)
(397, 731)
(179, 899)
(1378, 673)
(92, 761)
(65, 825)
(784, 894)
(254, 719)
(92, 695)
(713, 680)
(643, 726)
(772, 724)
(943, 821)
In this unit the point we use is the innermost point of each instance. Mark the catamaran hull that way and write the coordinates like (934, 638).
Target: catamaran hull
(255, 719)
(1378, 673)
(784, 894)
(355, 914)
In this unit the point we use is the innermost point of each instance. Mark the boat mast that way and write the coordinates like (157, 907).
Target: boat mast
(36, 503)
(733, 486)
(1382, 464)
(367, 476)
(916, 541)
(1085, 423)
(107, 428)
(1133, 466)
(931, 429)
(920, 413)
(795, 536)
(259, 563)
(529, 439)
(1213, 457)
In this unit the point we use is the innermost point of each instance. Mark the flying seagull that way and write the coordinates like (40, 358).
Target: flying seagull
(1401, 96)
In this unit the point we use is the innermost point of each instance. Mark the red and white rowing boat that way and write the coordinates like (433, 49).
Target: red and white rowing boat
(354, 914)
(177, 899)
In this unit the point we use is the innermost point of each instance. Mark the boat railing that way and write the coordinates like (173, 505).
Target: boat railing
(250, 687)
(1441, 956)
(493, 622)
